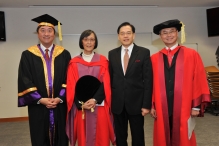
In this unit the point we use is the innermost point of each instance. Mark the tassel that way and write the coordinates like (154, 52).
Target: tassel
(82, 110)
(60, 31)
(183, 36)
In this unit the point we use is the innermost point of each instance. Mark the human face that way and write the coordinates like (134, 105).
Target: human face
(169, 36)
(46, 35)
(89, 43)
(126, 36)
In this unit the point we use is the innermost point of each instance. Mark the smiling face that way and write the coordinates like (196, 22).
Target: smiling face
(126, 36)
(169, 36)
(88, 43)
(46, 35)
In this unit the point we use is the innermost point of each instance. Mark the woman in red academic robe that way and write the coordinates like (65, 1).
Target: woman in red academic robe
(83, 126)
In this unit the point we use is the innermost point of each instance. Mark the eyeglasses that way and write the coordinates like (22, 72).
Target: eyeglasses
(125, 33)
(165, 33)
(89, 40)
(44, 31)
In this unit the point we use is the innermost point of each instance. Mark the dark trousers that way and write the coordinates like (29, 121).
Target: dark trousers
(171, 125)
(136, 126)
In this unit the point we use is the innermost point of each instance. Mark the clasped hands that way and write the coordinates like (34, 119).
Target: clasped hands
(50, 102)
(91, 103)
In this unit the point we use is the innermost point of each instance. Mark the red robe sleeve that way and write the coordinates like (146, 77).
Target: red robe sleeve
(72, 77)
(201, 95)
(107, 89)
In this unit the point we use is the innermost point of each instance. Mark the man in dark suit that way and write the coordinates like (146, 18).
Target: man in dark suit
(131, 82)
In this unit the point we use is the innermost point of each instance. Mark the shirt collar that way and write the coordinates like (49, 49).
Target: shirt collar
(173, 47)
(44, 48)
(85, 55)
(129, 48)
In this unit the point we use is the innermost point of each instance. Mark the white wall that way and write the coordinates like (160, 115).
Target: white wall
(20, 31)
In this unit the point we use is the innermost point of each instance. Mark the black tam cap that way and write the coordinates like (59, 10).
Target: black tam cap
(86, 87)
(167, 24)
(46, 20)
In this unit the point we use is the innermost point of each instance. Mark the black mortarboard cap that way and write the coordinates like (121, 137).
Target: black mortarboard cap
(86, 87)
(167, 24)
(47, 19)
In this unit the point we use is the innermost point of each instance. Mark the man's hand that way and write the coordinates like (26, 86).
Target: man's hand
(50, 102)
(194, 113)
(56, 100)
(153, 113)
(144, 111)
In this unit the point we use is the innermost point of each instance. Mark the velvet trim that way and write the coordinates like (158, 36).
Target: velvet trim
(53, 54)
(27, 99)
(64, 85)
(178, 98)
(164, 99)
(27, 91)
(62, 92)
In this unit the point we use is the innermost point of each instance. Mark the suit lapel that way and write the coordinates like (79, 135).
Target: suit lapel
(134, 54)
(118, 59)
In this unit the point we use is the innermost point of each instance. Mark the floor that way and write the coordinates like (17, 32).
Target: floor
(207, 132)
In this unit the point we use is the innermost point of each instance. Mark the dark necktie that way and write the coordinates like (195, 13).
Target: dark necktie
(169, 56)
(47, 54)
(126, 60)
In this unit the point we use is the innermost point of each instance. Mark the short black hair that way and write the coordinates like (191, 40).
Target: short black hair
(125, 24)
(85, 34)
(37, 30)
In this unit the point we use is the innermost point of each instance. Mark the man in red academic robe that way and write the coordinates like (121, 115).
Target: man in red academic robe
(180, 90)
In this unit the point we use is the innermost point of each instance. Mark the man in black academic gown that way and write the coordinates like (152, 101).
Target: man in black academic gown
(42, 86)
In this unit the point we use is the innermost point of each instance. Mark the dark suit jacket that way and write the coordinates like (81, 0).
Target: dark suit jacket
(134, 89)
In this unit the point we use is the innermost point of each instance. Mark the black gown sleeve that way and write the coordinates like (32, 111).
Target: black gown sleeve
(65, 63)
(99, 96)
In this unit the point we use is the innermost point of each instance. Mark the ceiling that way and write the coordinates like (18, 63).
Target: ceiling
(69, 3)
